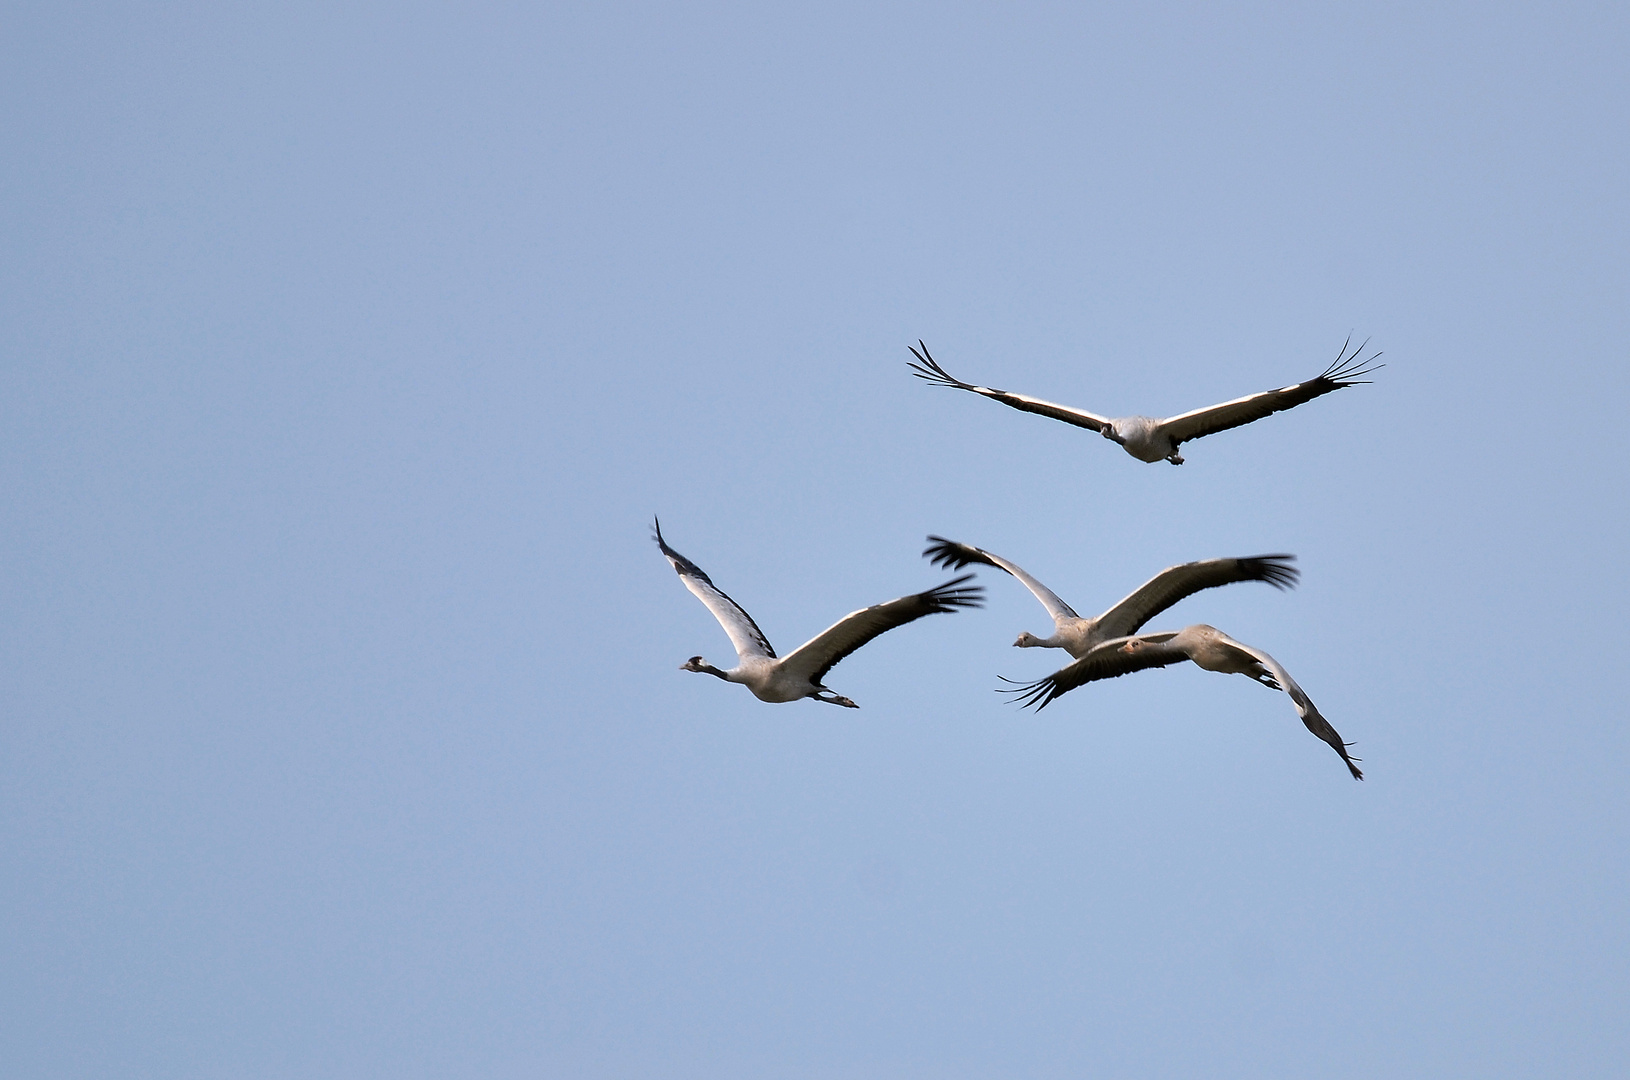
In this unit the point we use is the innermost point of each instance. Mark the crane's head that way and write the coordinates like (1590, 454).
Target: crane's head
(1135, 646)
(1108, 431)
(696, 663)
(1027, 640)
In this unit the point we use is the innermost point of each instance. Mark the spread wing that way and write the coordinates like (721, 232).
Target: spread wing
(816, 657)
(1108, 661)
(1177, 582)
(1311, 718)
(744, 633)
(954, 556)
(1348, 370)
(927, 368)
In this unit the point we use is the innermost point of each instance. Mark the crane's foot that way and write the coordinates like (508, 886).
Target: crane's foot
(1175, 459)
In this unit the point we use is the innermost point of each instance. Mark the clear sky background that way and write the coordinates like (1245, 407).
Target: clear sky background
(348, 353)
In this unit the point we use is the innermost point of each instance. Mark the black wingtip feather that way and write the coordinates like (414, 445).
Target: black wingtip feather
(1349, 759)
(681, 564)
(1039, 693)
(954, 594)
(952, 555)
(928, 368)
(1348, 369)
(656, 534)
(1273, 569)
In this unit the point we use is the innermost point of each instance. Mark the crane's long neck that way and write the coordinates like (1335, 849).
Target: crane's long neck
(1075, 636)
(696, 663)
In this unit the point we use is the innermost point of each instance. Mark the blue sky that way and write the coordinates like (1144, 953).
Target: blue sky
(347, 356)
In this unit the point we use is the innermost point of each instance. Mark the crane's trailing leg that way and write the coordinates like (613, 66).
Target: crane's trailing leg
(834, 699)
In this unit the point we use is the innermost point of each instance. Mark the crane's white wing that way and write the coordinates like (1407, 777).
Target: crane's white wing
(928, 369)
(1348, 370)
(954, 556)
(815, 657)
(744, 633)
(1311, 717)
(1177, 582)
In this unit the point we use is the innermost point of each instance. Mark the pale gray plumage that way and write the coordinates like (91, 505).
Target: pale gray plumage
(1079, 636)
(1148, 438)
(1208, 648)
(799, 674)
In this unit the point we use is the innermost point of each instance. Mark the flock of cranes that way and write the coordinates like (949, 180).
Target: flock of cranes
(1104, 647)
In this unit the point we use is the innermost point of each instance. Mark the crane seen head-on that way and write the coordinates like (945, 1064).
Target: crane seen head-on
(1151, 439)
